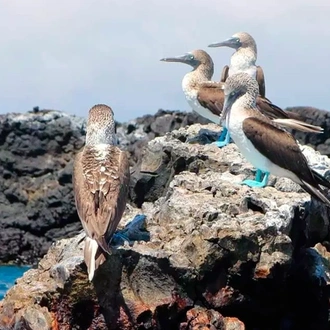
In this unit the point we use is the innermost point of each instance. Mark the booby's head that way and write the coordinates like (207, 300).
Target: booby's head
(194, 58)
(237, 41)
(101, 126)
(240, 86)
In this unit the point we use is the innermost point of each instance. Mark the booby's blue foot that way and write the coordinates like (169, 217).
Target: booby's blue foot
(257, 183)
(120, 236)
(223, 139)
(223, 134)
(259, 175)
(133, 231)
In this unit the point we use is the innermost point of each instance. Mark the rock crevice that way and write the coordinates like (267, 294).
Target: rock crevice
(219, 255)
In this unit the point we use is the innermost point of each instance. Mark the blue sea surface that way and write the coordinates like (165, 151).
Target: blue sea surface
(8, 276)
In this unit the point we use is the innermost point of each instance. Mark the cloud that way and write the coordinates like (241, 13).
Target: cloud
(69, 55)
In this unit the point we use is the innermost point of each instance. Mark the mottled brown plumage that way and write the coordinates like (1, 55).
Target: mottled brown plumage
(206, 97)
(260, 77)
(211, 96)
(100, 182)
(255, 135)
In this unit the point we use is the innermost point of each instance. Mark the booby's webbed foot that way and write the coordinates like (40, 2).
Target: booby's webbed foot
(223, 139)
(259, 175)
(134, 231)
(257, 183)
(204, 136)
(119, 238)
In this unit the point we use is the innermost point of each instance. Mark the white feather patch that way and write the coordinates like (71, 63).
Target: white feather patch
(91, 247)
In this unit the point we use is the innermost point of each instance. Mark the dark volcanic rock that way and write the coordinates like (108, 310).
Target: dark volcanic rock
(321, 142)
(220, 256)
(36, 156)
(36, 153)
(135, 134)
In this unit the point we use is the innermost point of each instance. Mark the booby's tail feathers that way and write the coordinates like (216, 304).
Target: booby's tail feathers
(93, 255)
(321, 179)
(317, 193)
(298, 125)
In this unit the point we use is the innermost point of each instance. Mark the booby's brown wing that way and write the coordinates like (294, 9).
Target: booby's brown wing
(269, 109)
(211, 96)
(277, 145)
(282, 149)
(100, 183)
(283, 118)
(260, 77)
(224, 73)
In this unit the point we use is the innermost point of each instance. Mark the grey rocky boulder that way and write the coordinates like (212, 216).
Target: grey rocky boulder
(220, 255)
(36, 156)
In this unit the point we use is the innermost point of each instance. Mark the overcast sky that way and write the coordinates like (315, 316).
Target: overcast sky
(69, 55)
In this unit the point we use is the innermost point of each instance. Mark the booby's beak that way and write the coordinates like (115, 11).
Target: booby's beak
(227, 104)
(185, 58)
(225, 109)
(232, 42)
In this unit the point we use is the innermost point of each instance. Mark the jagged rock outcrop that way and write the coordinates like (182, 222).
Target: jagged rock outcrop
(314, 116)
(36, 154)
(220, 255)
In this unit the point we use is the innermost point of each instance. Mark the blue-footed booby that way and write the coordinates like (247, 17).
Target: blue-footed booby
(206, 97)
(100, 184)
(244, 60)
(262, 142)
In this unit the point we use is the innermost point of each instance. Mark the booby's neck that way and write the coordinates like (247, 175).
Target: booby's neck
(198, 75)
(238, 107)
(243, 60)
(245, 101)
(100, 136)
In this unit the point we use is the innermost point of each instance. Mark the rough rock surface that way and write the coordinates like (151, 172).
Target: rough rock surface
(36, 204)
(36, 155)
(321, 142)
(220, 255)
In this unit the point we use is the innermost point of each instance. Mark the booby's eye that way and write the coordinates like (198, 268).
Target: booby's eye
(191, 57)
(233, 93)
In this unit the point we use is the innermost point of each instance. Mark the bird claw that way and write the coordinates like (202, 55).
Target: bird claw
(220, 144)
(133, 231)
(223, 139)
(253, 183)
(120, 236)
(259, 175)
(257, 183)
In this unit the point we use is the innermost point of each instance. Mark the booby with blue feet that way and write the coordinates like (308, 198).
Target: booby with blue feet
(206, 97)
(197, 83)
(244, 60)
(101, 175)
(262, 142)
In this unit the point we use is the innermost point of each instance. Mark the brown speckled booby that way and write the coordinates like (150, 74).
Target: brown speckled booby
(206, 97)
(262, 142)
(244, 60)
(100, 184)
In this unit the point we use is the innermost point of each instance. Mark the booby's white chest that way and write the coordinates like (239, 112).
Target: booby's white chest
(191, 97)
(234, 124)
(250, 70)
(243, 62)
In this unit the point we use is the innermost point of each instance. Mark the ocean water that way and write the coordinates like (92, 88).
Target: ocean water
(8, 276)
